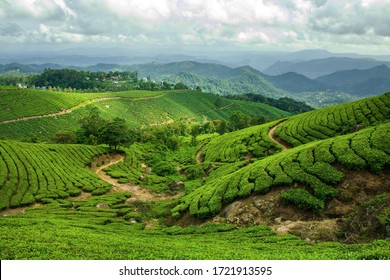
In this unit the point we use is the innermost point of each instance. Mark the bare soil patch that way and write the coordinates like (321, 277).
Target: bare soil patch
(138, 193)
(269, 209)
(18, 210)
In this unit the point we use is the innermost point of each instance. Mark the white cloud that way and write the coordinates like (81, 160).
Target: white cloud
(252, 36)
(353, 17)
(304, 23)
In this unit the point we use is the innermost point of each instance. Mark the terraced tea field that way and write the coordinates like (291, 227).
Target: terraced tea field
(310, 166)
(22, 116)
(97, 234)
(73, 202)
(335, 120)
(40, 172)
(235, 146)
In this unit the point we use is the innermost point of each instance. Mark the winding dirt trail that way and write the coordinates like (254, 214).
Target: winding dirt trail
(138, 193)
(271, 134)
(82, 104)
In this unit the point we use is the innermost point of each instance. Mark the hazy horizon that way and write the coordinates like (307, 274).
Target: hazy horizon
(185, 26)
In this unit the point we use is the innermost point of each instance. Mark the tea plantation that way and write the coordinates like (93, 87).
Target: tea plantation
(335, 120)
(53, 206)
(310, 165)
(43, 117)
(40, 172)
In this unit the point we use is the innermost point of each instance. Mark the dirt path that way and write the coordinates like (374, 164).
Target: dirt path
(277, 140)
(138, 193)
(18, 210)
(228, 106)
(158, 124)
(199, 156)
(85, 103)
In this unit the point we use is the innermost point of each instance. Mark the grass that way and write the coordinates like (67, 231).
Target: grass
(57, 232)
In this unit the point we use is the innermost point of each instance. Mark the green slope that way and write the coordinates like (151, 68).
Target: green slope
(310, 166)
(60, 233)
(335, 120)
(252, 142)
(19, 103)
(37, 172)
(237, 164)
(138, 108)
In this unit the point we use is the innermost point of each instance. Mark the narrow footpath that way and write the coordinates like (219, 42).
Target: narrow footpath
(271, 134)
(138, 193)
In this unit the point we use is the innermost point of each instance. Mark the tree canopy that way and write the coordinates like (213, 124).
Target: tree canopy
(115, 133)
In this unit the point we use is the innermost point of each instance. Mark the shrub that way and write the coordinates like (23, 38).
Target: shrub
(164, 168)
(303, 199)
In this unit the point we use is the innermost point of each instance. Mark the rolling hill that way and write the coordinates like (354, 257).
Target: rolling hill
(308, 176)
(27, 114)
(330, 88)
(359, 82)
(332, 121)
(309, 168)
(322, 175)
(320, 67)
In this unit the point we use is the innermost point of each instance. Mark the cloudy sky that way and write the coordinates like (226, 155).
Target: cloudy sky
(361, 26)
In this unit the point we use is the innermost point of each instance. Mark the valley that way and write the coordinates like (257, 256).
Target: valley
(194, 174)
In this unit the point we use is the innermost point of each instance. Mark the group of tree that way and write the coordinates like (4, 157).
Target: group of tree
(95, 130)
(65, 79)
(81, 80)
(284, 103)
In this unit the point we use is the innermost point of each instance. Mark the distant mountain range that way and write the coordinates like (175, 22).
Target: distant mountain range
(337, 87)
(361, 83)
(319, 67)
(224, 80)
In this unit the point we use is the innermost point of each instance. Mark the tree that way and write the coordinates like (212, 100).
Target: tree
(180, 86)
(239, 120)
(115, 133)
(90, 126)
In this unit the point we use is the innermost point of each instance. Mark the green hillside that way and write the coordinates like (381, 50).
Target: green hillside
(38, 172)
(323, 175)
(249, 142)
(137, 108)
(18, 103)
(335, 120)
(310, 167)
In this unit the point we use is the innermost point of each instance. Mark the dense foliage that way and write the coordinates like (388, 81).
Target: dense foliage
(73, 80)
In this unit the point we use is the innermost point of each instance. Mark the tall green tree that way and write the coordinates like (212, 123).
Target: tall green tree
(90, 125)
(239, 120)
(115, 133)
